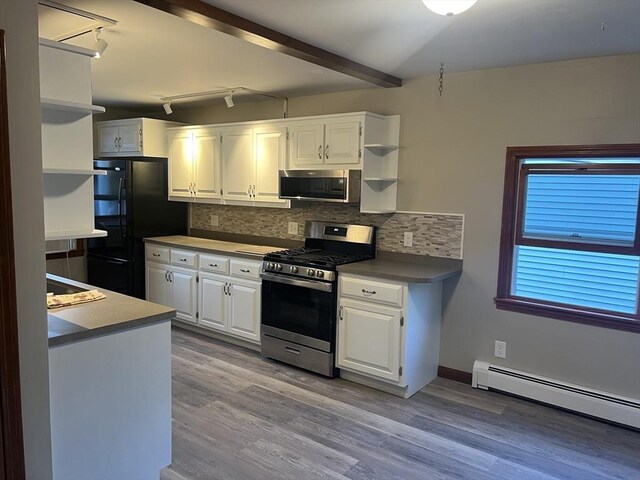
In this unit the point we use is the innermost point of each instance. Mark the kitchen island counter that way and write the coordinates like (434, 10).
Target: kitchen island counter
(406, 268)
(112, 314)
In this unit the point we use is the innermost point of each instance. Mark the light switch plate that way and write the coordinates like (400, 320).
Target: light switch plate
(293, 228)
(213, 220)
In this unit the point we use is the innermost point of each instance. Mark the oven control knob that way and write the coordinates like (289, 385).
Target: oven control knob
(278, 267)
(271, 266)
(319, 274)
(294, 269)
(311, 272)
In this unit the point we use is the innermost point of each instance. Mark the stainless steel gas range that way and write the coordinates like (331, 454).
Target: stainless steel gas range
(299, 294)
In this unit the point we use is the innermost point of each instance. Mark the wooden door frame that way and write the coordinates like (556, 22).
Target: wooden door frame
(11, 441)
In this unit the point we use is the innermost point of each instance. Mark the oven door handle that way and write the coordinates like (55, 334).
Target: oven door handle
(322, 286)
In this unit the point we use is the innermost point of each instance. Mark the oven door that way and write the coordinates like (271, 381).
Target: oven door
(299, 310)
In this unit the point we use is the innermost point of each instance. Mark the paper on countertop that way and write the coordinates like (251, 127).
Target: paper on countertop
(57, 301)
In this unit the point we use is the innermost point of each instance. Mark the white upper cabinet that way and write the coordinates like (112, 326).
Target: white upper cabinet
(331, 144)
(270, 153)
(194, 164)
(238, 164)
(145, 137)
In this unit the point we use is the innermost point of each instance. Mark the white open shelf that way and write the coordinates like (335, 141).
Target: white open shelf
(68, 106)
(73, 171)
(59, 235)
(380, 148)
(380, 179)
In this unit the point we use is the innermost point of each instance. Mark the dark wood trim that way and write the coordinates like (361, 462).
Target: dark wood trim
(513, 198)
(76, 252)
(456, 375)
(11, 442)
(206, 15)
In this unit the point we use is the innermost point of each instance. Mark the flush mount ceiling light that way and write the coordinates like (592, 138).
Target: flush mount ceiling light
(449, 7)
(101, 44)
(167, 107)
(228, 99)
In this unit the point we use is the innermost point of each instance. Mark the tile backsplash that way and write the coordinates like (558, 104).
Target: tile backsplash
(435, 234)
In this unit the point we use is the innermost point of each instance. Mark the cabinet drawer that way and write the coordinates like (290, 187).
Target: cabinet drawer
(157, 254)
(246, 269)
(186, 259)
(213, 263)
(372, 291)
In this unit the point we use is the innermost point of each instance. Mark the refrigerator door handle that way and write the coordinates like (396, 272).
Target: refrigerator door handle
(123, 234)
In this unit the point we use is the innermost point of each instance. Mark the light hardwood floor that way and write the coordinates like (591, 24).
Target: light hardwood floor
(238, 416)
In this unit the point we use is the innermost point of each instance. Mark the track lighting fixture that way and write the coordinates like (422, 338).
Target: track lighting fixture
(449, 8)
(228, 99)
(167, 107)
(101, 44)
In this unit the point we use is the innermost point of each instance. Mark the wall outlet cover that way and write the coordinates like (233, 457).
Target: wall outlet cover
(500, 349)
(293, 228)
(213, 220)
(408, 239)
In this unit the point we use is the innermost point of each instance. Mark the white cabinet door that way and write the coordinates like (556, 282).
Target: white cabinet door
(244, 309)
(212, 298)
(180, 165)
(270, 148)
(369, 339)
(342, 143)
(184, 293)
(306, 145)
(157, 284)
(130, 138)
(206, 159)
(238, 165)
(108, 139)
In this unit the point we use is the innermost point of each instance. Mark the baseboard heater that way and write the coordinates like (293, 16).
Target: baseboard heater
(614, 408)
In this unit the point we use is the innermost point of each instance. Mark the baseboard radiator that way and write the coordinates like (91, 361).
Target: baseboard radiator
(614, 408)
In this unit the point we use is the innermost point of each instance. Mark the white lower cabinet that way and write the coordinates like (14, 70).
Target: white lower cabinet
(219, 293)
(173, 287)
(230, 305)
(388, 333)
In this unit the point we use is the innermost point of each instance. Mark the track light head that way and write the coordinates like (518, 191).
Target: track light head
(167, 107)
(101, 44)
(228, 99)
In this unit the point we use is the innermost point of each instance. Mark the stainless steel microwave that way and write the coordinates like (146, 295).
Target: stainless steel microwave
(321, 185)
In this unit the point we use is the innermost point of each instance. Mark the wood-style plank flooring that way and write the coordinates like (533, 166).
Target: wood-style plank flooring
(238, 416)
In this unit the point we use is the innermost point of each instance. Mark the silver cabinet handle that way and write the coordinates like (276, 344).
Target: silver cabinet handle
(249, 190)
(368, 292)
(171, 277)
(320, 152)
(119, 142)
(245, 270)
(326, 152)
(229, 289)
(213, 264)
(224, 288)
(253, 189)
(155, 254)
(340, 314)
(115, 142)
(182, 259)
(166, 276)
(194, 189)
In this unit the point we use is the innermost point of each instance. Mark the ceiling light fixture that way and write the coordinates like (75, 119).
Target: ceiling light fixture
(449, 7)
(101, 44)
(228, 99)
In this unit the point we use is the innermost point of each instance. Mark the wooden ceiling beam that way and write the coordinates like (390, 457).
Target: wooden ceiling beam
(206, 15)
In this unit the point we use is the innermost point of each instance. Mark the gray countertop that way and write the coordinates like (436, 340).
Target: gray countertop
(112, 314)
(406, 268)
(208, 246)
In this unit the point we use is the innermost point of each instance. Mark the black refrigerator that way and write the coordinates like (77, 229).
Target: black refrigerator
(131, 203)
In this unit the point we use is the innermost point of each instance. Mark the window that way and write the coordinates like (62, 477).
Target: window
(570, 243)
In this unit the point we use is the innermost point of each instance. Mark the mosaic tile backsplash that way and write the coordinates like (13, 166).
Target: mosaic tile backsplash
(438, 235)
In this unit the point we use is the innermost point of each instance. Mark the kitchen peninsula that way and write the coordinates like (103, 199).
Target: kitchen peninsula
(110, 386)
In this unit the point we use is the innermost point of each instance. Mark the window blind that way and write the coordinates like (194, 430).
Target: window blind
(586, 279)
(593, 208)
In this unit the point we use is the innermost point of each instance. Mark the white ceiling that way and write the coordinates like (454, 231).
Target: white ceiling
(153, 54)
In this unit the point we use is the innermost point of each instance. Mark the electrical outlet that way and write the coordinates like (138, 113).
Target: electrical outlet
(500, 349)
(408, 239)
(213, 220)
(293, 228)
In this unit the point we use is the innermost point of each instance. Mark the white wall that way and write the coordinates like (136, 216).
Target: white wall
(19, 19)
(452, 160)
